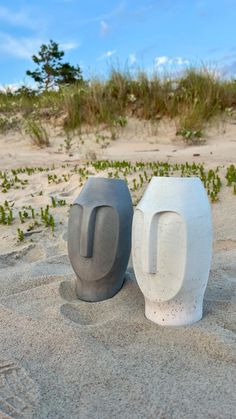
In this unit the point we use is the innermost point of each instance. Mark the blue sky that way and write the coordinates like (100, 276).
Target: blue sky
(161, 35)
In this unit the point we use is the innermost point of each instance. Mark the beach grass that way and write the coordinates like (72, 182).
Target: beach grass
(192, 99)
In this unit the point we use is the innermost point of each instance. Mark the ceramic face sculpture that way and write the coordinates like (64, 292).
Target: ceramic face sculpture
(171, 249)
(99, 237)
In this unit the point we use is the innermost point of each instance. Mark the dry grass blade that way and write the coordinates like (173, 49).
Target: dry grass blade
(37, 133)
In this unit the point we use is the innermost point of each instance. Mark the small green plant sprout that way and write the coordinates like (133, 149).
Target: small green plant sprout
(231, 177)
(32, 225)
(3, 217)
(141, 179)
(61, 202)
(120, 121)
(190, 136)
(22, 220)
(10, 217)
(52, 223)
(135, 185)
(44, 213)
(53, 178)
(6, 213)
(54, 202)
(47, 219)
(68, 141)
(32, 212)
(145, 175)
(66, 177)
(213, 196)
(37, 133)
(20, 235)
(23, 215)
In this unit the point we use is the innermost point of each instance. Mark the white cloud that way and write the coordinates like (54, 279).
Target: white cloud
(10, 87)
(20, 18)
(110, 53)
(132, 58)
(11, 17)
(107, 54)
(159, 61)
(25, 47)
(13, 87)
(104, 28)
(19, 47)
(180, 61)
(67, 46)
(164, 61)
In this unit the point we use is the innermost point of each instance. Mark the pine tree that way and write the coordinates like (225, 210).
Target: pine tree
(50, 70)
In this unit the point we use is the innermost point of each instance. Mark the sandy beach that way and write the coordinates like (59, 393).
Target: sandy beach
(65, 358)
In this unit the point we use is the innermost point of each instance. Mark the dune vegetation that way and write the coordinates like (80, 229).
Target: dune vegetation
(193, 100)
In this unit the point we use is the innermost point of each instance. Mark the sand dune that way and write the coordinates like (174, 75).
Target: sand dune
(64, 358)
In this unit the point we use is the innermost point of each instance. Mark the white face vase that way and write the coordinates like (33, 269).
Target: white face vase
(172, 248)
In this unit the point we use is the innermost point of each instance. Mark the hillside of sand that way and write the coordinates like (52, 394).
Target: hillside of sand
(64, 358)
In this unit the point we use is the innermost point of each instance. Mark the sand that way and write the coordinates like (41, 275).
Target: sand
(64, 358)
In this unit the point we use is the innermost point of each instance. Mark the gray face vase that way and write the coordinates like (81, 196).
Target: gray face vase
(99, 237)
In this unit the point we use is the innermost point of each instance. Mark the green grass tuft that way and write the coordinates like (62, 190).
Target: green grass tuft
(37, 133)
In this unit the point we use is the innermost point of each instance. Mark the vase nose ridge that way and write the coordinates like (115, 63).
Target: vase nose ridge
(149, 244)
(87, 231)
(159, 261)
